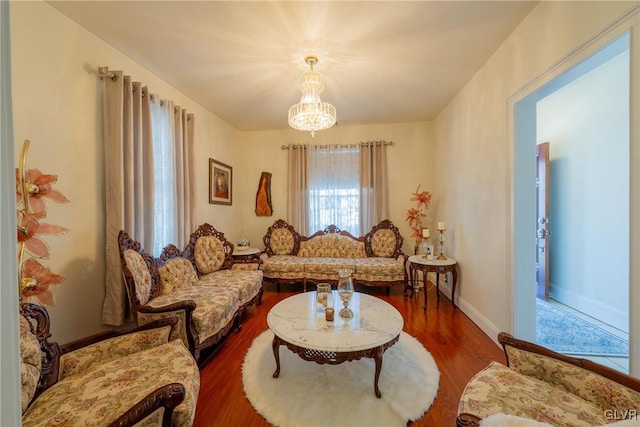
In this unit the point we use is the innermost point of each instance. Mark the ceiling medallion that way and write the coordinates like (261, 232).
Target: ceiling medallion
(311, 114)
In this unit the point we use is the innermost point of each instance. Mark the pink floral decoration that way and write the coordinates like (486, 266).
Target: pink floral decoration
(34, 277)
(416, 215)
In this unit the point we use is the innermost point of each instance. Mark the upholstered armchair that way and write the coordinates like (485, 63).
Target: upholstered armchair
(111, 379)
(542, 386)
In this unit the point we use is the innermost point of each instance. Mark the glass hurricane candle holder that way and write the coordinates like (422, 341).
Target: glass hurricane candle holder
(345, 291)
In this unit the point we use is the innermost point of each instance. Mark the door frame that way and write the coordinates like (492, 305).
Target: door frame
(521, 174)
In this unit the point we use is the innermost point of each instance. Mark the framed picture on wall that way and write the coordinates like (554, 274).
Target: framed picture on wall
(220, 183)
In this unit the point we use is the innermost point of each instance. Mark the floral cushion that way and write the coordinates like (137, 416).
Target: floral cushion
(140, 272)
(176, 274)
(30, 362)
(327, 268)
(375, 268)
(383, 243)
(106, 391)
(209, 254)
(247, 282)
(598, 390)
(283, 267)
(215, 306)
(85, 358)
(500, 389)
(281, 241)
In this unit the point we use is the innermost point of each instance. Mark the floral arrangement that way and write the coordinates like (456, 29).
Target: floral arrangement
(416, 215)
(33, 188)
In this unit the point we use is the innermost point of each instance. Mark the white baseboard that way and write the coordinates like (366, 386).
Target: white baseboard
(605, 313)
(476, 317)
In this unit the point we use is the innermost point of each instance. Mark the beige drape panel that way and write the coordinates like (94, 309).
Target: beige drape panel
(374, 190)
(184, 130)
(298, 183)
(128, 181)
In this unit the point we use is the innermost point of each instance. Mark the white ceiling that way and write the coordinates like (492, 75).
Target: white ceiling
(383, 62)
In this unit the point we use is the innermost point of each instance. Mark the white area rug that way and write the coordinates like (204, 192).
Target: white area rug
(309, 394)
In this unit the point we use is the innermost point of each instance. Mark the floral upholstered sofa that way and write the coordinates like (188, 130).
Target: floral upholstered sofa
(208, 306)
(138, 377)
(376, 259)
(547, 388)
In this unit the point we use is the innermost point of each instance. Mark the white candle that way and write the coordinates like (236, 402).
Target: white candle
(442, 226)
(425, 233)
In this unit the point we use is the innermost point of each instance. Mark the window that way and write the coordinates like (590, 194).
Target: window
(334, 188)
(164, 219)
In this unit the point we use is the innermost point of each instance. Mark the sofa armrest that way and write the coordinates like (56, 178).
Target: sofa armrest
(78, 356)
(183, 310)
(467, 420)
(166, 397)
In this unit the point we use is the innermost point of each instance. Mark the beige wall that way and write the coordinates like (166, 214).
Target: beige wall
(409, 161)
(57, 105)
(473, 150)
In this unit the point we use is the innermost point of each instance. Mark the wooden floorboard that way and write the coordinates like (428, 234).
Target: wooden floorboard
(458, 346)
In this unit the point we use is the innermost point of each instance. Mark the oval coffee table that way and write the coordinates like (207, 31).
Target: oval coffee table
(295, 323)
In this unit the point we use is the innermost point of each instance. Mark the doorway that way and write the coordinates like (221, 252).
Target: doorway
(582, 244)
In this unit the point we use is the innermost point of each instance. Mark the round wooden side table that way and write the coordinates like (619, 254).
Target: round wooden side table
(421, 263)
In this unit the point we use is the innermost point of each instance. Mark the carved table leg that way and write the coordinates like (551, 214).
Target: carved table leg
(378, 360)
(276, 353)
(454, 273)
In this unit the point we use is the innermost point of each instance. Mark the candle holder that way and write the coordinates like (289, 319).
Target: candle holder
(441, 255)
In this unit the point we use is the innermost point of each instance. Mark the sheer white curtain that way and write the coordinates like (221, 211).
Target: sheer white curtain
(163, 175)
(334, 188)
(149, 178)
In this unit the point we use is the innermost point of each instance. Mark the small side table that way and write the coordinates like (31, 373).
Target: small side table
(246, 254)
(420, 262)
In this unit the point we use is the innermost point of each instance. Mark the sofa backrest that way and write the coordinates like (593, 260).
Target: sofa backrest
(139, 270)
(281, 239)
(384, 240)
(581, 377)
(209, 250)
(176, 273)
(332, 245)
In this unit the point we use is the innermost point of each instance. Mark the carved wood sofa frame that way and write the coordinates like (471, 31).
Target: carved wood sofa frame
(167, 397)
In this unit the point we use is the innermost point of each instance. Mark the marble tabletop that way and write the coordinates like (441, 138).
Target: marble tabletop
(374, 323)
(421, 259)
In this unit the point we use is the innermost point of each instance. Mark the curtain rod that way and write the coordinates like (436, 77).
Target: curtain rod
(361, 144)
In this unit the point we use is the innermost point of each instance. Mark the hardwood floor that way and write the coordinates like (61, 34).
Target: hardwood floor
(458, 346)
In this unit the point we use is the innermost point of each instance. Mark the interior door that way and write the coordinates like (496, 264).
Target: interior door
(542, 222)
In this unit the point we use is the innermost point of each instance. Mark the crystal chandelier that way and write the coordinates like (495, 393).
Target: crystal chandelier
(311, 114)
